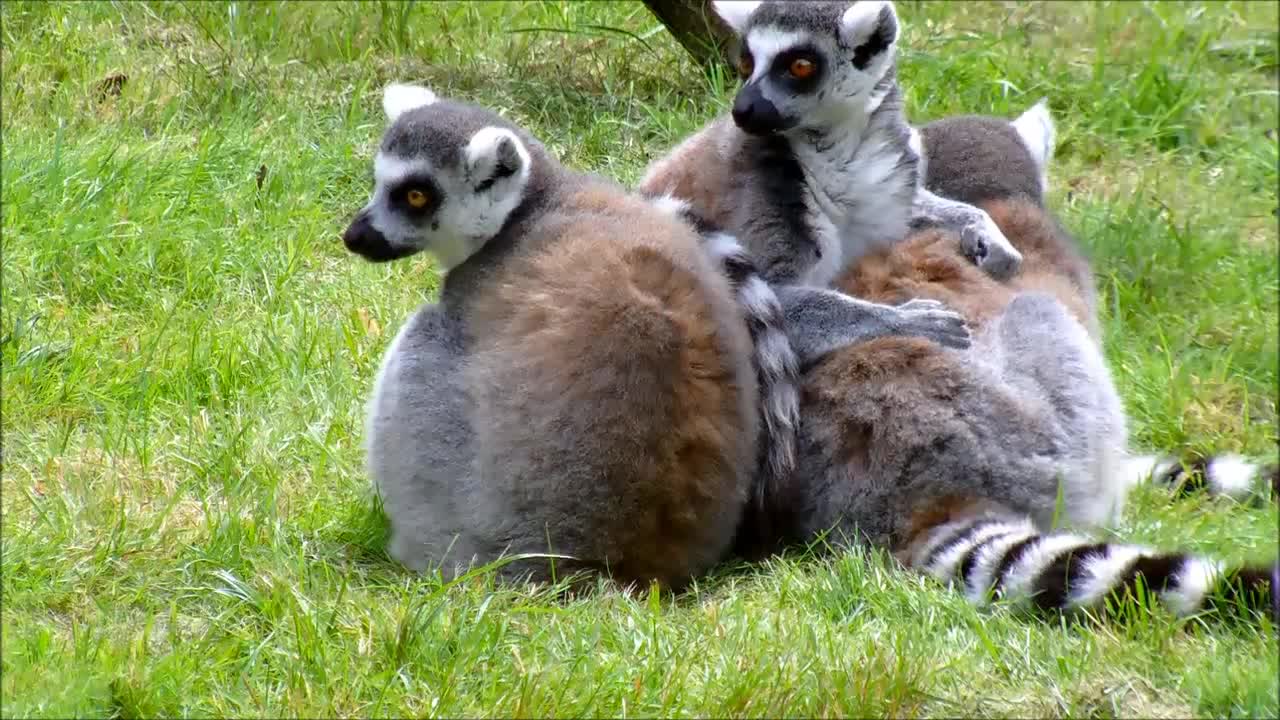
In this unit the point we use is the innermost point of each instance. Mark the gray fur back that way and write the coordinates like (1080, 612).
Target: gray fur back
(474, 460)
(420, 442)
(973, 158)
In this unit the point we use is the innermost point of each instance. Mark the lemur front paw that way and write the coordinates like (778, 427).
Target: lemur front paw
(932, 320)
(984, 244)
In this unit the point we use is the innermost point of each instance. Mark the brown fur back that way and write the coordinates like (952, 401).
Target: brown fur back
(631, 350)
(696, 172)
(929, 265)
(859, 388)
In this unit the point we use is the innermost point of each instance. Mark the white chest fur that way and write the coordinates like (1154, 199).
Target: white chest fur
(858, 198)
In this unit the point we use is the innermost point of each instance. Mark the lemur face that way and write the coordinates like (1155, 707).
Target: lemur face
(807, 64)
(446, 177)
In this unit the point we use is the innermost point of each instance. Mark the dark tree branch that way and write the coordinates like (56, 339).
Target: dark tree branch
(696, 27)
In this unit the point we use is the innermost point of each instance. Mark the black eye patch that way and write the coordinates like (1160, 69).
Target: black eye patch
(743, 60)
(782, 69)
(408, 196)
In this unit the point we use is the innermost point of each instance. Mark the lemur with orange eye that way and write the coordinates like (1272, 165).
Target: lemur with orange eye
(584, 388)
(817, 168)
(816, 165)
(989, 468)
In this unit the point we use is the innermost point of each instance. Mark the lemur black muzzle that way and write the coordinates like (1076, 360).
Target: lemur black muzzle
(755, 115)
(363, 239)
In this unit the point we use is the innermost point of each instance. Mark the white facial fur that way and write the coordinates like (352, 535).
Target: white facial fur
(389, 171)
(765, 44)
(475, 205)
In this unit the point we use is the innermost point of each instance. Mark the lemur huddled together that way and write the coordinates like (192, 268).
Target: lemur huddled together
(811, 319)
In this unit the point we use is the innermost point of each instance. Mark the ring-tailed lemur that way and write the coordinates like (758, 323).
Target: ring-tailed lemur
(960, 463)
(816, 165)
(584, 385)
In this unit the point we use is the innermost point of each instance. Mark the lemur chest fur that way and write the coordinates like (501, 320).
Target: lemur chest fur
(859, 195)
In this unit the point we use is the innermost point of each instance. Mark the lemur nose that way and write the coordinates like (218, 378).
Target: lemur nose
(363, 239)
(754, 114)
(742, 109)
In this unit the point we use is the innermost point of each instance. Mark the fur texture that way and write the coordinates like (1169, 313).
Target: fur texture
(810, 173)
(962, 462)
(992, 553)
(584, 386)
(979, 159)
(777, 370)
(834, 317)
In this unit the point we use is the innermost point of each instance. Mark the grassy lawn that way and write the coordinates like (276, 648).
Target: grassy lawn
(187, 347)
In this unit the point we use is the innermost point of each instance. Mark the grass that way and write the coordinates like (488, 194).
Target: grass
(186, 348)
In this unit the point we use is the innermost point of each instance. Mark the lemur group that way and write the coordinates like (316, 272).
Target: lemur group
(812, 323)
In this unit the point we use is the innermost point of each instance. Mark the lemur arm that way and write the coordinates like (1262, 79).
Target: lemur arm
(981, 240)
(820, 320)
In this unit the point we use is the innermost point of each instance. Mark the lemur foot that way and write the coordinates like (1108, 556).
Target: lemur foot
(819, 321)
(982, 241)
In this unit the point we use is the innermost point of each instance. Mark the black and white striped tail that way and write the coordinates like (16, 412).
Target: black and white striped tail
(1223, 474)
(777, 367)
(1008, 559)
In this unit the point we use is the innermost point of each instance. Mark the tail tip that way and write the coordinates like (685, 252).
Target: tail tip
(1254, 589)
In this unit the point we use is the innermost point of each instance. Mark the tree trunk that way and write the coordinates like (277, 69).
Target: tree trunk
(696, 27)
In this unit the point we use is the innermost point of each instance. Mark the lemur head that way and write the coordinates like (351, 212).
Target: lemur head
(446, 178)
(808, 64)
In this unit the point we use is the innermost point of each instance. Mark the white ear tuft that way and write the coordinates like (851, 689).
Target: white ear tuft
(735, 12)
(399, 98)
(1035, 127)
(868, 20)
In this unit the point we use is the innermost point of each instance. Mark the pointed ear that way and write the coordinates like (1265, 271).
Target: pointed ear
(735, 12)
(398, 98)
(1035, 127)
(870, 28)
(494, 153)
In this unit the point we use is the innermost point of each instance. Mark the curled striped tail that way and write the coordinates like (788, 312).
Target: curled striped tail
(1222, 474)
(776, 365)
(1002, 556)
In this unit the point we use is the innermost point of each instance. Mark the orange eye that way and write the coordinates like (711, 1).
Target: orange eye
(745, 66)
(801, 69)
(416, 199)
